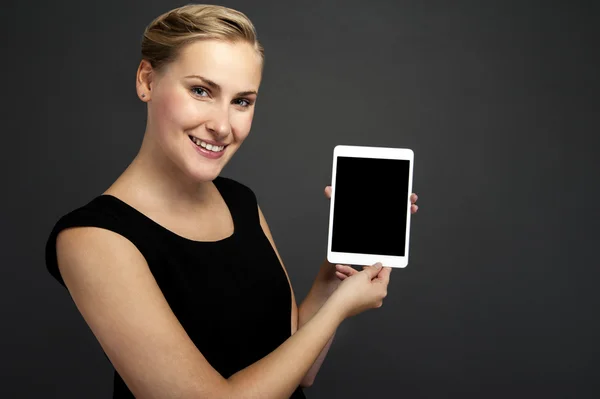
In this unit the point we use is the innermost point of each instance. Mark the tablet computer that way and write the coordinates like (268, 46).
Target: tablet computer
(369, 218)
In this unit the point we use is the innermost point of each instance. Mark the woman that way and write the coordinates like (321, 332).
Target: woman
(174, 267)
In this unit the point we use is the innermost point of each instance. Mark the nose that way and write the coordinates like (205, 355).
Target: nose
(218, 122)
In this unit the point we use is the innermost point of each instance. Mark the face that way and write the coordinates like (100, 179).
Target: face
(203, 99)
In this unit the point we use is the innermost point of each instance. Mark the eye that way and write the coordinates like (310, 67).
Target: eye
(243, 102)
(200, 91)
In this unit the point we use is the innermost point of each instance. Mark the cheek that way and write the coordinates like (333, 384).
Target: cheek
(242, 123)
(175, 111)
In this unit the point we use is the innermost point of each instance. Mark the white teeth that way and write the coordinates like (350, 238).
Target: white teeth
(210, 147)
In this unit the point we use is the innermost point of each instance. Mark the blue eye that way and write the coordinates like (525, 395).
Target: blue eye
(243, 102)
(199, 90)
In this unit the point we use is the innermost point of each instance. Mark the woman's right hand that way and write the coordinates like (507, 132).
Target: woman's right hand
(363, 290)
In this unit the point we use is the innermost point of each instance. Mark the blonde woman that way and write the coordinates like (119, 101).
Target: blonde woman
(173, 267)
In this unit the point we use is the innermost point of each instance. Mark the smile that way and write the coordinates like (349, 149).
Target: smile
(206, 146)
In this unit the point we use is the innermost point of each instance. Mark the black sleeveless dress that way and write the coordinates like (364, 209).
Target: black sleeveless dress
(231, 296)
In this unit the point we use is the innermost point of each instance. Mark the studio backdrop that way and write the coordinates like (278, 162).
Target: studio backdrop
(497, 99)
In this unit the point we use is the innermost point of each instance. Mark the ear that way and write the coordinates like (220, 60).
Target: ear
(143, 81)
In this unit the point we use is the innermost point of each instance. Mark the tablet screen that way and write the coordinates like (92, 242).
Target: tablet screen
(371, 197)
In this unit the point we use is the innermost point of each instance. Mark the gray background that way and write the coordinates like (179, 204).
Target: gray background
(498, 100)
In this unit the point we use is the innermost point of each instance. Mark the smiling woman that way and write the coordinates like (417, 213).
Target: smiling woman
(173, 267)
(201, 97)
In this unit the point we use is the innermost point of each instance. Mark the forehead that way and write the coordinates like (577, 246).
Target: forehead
(235, 66)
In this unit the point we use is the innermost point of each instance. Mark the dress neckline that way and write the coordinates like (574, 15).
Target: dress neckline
(223, 195)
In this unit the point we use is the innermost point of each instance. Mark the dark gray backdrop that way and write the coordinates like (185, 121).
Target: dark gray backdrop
(498, 100)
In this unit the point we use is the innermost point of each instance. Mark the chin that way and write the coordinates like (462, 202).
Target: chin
(205, 169)
(205, 175)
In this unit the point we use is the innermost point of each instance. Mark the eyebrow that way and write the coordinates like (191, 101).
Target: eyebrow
(216, 87)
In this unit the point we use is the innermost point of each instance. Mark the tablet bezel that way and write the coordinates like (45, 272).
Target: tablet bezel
(378, 153)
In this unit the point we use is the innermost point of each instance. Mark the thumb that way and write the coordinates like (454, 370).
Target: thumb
(373, 271)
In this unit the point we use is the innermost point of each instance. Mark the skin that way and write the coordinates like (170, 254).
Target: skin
(171, 183)
(167, 168)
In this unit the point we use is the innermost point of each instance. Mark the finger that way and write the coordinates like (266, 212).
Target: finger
(328, 192)
(348, 270)
(368, 267)
(341, 276)
(384, 275)
(373, 271)
(414, 208)
(413, 198)
(345, 274)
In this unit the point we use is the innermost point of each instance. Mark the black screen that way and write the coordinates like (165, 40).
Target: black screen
(371, 198)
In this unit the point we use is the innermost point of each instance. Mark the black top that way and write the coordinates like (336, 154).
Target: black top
(231, 296)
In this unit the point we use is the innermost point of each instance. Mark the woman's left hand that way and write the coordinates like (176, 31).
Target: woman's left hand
(344, 271)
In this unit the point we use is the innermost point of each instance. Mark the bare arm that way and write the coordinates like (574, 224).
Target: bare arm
(278, 374)
(112, 287)
(317, 296)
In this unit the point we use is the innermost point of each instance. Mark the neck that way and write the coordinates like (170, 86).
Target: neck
(153, 179)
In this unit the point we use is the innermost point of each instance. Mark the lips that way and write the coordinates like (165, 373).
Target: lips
(206, 144)
(207, 153)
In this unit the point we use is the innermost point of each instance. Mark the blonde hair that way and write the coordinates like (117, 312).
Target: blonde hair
(166, 36)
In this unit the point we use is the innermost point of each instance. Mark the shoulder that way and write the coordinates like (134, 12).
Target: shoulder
(101, 209)
(232, 183)
(118, 297)
(92, 246)
(80, 229)
(241, 197)
(235, 187)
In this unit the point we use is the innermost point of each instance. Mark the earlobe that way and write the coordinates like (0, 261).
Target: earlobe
(143, 96)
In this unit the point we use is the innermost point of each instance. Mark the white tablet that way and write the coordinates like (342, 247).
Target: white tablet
(369, 218)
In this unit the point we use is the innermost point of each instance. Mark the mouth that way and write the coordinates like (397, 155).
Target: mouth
(207, 146)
